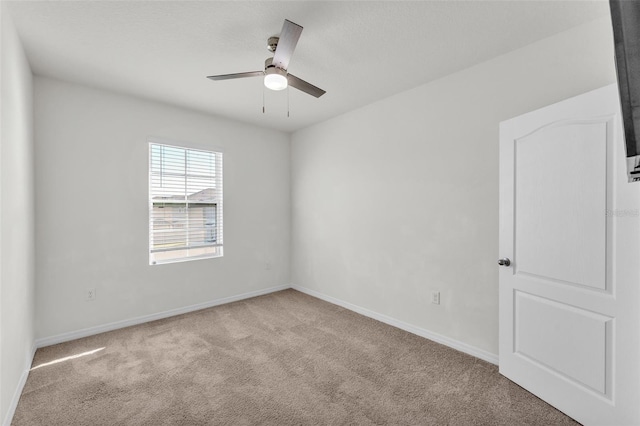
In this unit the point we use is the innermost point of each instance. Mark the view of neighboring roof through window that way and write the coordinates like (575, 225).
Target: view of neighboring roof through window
(185, 203)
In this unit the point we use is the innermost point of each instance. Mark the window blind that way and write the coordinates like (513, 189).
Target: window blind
(185, 203)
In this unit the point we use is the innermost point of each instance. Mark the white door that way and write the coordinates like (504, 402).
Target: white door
(570, 226)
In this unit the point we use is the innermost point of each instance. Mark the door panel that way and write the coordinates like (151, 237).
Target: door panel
(560, 225)
(570, 224)
(574, 343)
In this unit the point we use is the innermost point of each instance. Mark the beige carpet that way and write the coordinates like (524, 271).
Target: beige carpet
(281, 359)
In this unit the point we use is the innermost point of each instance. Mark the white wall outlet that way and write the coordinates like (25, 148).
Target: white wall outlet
(435, 297)
(267, 266)
(91, 294)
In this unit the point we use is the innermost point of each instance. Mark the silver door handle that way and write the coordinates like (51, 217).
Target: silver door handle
(504, 262)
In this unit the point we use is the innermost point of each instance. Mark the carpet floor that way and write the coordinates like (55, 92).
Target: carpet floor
(281, 359)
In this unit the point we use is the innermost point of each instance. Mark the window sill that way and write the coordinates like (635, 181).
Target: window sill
(170, 257)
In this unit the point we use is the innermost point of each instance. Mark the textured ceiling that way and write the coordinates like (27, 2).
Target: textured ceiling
(358, 51)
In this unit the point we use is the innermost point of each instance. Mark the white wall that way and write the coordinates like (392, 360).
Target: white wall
(92, 221)
(16, 217)
(400, 198)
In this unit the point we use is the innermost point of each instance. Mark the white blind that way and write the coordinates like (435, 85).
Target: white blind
(185, 203)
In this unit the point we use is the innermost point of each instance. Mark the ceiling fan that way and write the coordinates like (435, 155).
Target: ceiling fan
(275, 72)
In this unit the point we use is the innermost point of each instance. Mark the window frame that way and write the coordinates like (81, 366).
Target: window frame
(219, 180)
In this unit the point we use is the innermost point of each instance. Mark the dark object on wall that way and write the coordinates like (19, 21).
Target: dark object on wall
(625, 17)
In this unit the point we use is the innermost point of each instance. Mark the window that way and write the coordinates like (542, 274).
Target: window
(185, 203)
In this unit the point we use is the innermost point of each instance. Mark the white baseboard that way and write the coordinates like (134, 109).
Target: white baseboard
(65, 337)
(447, 341)
(16, 394)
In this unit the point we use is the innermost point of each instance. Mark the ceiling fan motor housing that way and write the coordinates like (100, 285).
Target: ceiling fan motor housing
(268, 63)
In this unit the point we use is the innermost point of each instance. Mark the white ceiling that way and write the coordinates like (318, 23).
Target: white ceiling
(358, 51)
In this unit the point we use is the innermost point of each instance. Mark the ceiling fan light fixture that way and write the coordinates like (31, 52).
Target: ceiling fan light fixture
(275, 78)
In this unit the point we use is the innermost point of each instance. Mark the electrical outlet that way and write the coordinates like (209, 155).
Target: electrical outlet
(267, 266)
(435, 297)
(91, 294)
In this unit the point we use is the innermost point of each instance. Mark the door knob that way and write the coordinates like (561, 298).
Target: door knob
(504, 262)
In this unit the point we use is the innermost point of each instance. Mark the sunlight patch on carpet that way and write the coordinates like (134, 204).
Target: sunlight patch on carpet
(66, 358)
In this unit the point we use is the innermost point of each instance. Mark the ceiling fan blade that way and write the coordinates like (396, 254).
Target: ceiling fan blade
(286, 45)
(237, 75)
(304, 86)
